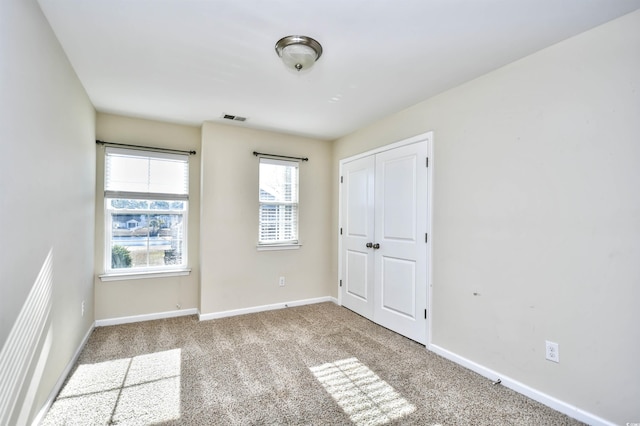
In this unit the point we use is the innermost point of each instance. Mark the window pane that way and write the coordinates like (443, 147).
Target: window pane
(167, 176)
(128, 204)
(127, 173)
(149, 238)
(279, 182)
(278, 223)
(131, 204)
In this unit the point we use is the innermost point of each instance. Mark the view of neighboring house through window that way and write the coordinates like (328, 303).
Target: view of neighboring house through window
(278, 202)
(146, 203)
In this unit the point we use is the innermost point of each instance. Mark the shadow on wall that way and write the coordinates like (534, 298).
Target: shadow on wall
(19, 352)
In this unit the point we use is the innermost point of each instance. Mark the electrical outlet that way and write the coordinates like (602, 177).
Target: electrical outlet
(281, 282)
(82, 307)
(552, 352)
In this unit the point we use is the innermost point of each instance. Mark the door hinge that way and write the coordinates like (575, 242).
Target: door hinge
(340, 231)
(340, 283)
(426, 238)
(425, 313)
(340, 179)
(427, 165)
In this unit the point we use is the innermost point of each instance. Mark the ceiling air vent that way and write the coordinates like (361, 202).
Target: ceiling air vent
(234, 117)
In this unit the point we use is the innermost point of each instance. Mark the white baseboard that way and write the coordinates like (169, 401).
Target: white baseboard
(543, 398)
(63, 376)
(145, 317)
(262, 308)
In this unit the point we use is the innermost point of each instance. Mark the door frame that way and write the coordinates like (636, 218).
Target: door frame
(428, 136)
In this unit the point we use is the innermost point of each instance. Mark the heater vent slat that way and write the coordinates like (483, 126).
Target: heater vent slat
(234, 117)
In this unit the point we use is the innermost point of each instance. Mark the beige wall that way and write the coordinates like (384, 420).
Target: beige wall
(47, 181)
(114, 299)
(537, 209)
(234, 275)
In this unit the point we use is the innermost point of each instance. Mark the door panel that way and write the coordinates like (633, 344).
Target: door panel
(356, 272)
(398, 187)
(358, 218)
(398, 286)
(400, 225)
(357, 231)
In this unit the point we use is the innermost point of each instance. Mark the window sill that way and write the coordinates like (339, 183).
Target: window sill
(143, 275)
(273, 247)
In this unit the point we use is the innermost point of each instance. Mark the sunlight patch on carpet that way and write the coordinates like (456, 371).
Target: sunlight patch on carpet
(141, 390)
(365, 397)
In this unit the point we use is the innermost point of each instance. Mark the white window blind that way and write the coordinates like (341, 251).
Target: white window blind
(146, 175)
(278, 197)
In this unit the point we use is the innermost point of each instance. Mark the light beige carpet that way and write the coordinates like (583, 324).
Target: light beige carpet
(310, 365)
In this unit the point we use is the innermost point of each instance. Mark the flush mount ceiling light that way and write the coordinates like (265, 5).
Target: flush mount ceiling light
(298, 52)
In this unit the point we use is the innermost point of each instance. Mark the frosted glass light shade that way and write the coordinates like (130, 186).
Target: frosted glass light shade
(298, 52)
(298, 56)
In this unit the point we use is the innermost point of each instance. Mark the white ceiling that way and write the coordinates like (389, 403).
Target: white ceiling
(191, 61)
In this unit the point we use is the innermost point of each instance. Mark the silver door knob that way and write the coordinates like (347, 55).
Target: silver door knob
(376, 246)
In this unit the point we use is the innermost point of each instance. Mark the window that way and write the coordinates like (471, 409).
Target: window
(278, 197)
(146, 205)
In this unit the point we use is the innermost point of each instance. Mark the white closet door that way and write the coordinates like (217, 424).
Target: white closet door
(357, 231)
(400, 287)
(384, 249)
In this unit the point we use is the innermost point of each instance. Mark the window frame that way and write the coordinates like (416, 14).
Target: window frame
(288, 244)
(112, 274)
